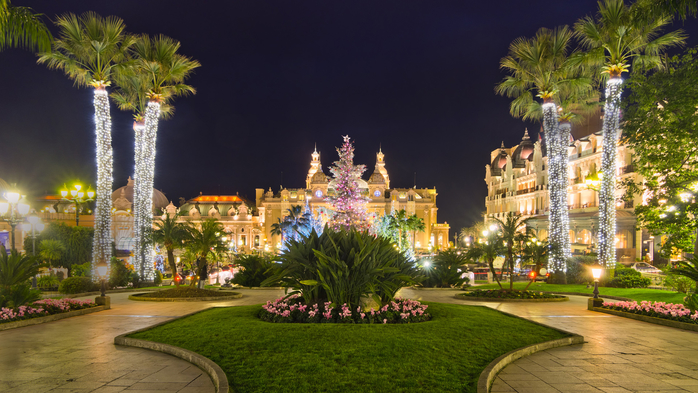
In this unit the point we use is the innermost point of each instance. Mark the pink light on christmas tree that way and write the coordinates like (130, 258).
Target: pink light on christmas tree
(347, 202)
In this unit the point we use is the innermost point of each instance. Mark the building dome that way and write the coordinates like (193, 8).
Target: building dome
(319, 177)
(523, 152)
(160, 201)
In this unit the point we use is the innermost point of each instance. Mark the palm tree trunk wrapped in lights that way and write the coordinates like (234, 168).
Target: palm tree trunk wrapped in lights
(101, 249)
(607, 194)
(556, 140)
(144, 182)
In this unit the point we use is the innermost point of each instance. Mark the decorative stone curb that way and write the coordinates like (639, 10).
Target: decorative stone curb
(646, 318)
(183, 299)
(83, 294)
(436, 289)
(496, 299)
(625, 299)
(50, 318)
(218, 377)
(490, 372)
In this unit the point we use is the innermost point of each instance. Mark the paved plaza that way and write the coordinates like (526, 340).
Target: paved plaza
(78, 355)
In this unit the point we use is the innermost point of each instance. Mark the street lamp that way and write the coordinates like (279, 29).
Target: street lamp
(33, 226)
(103, 299)
(13, 211)
(596, 271)
(77, 197)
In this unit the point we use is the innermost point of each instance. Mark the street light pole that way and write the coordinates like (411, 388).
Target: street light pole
(77, 197)
(13, 211)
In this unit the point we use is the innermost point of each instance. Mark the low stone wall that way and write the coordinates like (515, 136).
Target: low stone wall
(645, 318)
(214, 371)
(50, 318)
(488, 375)
(183, 299)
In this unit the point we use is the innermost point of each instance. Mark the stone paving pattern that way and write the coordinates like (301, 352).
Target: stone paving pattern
(620, 355)
(78, 355)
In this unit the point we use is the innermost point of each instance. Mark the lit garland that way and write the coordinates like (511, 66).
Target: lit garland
(347, 202)
(556, 141)
(143, 191)
(607, 194)
(101, 247)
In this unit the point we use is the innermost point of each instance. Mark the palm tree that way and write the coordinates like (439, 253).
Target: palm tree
(20, 27)
(51, 250)
(155, 76)
(88, 49)
(536, 251)
(489, 248)
(204, 240)
(16, 268)
(514, 232)
(617, 36)
(170, 234)
(540, 68)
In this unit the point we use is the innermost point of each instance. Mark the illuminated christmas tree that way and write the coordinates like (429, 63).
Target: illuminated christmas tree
(347, 202)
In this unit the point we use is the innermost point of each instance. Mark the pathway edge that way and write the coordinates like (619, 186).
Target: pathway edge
(214, 371)
(50, 318)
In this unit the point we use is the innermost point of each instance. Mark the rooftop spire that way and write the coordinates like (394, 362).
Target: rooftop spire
(526, 137)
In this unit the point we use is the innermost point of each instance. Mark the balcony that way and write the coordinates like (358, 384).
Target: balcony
(525, 191)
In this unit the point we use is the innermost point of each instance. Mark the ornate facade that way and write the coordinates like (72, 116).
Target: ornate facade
(517, 181)
(248, 225)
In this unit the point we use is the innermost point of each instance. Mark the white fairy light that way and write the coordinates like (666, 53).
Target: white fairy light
(607, 194)
(557, 139)
(101, 248)
(143, 190)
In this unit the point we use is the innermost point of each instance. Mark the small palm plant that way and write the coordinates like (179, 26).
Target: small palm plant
(170, 234)
(514, 232)
(15, 272)
(488, 248)
(203, 241)
(51, 251)
(689, 269)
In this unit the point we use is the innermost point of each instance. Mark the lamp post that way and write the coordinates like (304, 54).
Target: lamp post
(13, 211)
(77, 197)
(33, 226)
(596, 271)
(103, 299)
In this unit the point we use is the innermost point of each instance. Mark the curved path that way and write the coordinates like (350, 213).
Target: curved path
(78, 355)
(620, 355)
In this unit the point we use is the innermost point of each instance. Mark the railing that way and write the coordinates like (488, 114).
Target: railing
(525, 191)
(581, 206)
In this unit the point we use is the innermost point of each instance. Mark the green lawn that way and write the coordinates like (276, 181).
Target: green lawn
(638, 294)
(447, 353)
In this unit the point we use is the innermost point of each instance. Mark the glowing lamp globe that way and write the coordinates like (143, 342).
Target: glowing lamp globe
(64, 193)
(26, 227)
(4, 207)
(39, 227)
(23, 207)
(81, 194)
(12, 197)
(33, 219)
(90, 194)
(78, 187)
(73, 193)
(596, 271)
(102, 269)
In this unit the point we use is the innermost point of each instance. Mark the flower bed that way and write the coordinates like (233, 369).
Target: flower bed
(42, 308)
(671, 311)
(500, 294)
(292, 309)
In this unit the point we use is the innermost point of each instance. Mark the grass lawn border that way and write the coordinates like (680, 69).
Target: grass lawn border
(50, 318)
(488, 375)
(499, 299)
(214, 371)
(140, 298)
(647, 318)
(221, 384)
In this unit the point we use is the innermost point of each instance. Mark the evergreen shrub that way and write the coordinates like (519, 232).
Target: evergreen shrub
(624, 277)
(72, 285)
(254, 269)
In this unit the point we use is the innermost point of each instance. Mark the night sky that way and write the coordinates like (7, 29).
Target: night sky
(278, 77)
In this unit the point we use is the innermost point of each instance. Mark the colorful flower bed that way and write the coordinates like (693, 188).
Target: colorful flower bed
(292, 309)
(500, 294)
(675, 312)
(42, 308)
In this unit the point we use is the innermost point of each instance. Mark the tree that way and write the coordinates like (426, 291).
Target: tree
(52, 251)
(661, 130)
(514, 233)
(489, 248)
(153, 78)
(536, 251)
(170, 234)
(347, 202)
(20, 27)
(396, 226)
(88, 49)
(540, 67)
(203, 241)
(77, 242)
(618, 35)
(446, 270)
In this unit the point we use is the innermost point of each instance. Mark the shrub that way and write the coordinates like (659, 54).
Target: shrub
(47, 281)
(76, 285)
(343, 267)
(119, 273)
(158, 277)
(624, 277)
(445, 270)
(676, 282)
(18, 295)
(83, 270)
(254, 269)
(578, 271)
